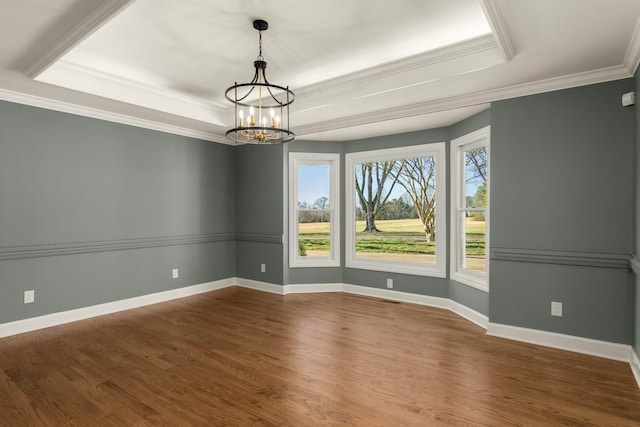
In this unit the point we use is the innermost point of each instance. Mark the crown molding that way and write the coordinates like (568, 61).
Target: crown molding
(94, 113)
(481, 97)
(492, 12)
(632, 56)
(483, 44)
(78, 70)
(97, 82)
(83, 29)
(479, 45)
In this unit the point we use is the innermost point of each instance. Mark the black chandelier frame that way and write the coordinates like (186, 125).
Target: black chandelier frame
(279, 98)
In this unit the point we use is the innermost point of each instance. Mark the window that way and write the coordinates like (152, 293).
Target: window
(470, 209)
(314, 213)
(396, 210)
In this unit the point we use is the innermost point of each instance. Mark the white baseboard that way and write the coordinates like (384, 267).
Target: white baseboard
(389, 294)
(607, 350)
(635, 366)
(55, 319)
(469, 314)
(259, 286)
(313, 288)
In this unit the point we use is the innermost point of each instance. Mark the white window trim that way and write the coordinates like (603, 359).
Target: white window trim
(333, 160)
(437, 150)
(478, 138)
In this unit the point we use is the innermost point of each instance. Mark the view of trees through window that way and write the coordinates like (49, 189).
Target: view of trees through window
(472, 216)
(314, 210)
(395, 209)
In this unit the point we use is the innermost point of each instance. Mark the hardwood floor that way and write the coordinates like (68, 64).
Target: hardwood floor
(243, 357)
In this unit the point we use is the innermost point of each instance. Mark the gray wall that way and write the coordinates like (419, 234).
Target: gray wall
(561, 204)
(259, 212)
(92, 211)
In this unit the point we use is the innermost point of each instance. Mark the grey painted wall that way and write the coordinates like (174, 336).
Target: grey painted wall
(259, 212)
(562, 180)
(475, 122)
(114, 208)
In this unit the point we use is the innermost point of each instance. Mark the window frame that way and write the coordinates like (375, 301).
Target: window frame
(435, 149)
(333, 161)
(476, 139)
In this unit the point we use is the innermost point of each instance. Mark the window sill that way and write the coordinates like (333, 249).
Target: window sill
(430, 270)
(315, 263)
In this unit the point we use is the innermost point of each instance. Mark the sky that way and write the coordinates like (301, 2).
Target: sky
(313, 182)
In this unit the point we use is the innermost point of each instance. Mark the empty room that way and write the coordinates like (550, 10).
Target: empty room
(295, 213)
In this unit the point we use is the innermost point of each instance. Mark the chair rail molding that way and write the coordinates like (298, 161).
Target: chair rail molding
(545, 256)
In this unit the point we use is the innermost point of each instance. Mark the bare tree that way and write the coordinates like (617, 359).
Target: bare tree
(478, 159)
(476, 174)
(321, 203)
(370, 187)
(418, 177)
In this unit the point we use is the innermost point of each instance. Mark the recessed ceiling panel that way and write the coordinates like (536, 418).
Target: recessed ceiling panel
(190, 51)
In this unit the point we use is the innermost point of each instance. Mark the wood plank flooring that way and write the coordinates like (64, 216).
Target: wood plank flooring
(239, 357)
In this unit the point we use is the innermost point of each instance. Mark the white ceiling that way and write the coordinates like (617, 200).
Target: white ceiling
(359, 68)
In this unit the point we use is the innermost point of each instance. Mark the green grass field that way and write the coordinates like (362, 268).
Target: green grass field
(396, 236)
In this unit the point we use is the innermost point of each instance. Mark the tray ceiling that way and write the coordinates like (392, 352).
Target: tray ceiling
(358, 68)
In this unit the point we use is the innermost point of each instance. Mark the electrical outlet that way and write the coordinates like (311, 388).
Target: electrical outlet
(263, 268)
(390, 283)
(29, 297)
(174, 273)
(556, 309)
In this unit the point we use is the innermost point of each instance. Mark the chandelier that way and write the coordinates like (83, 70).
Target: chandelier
(261, 108)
